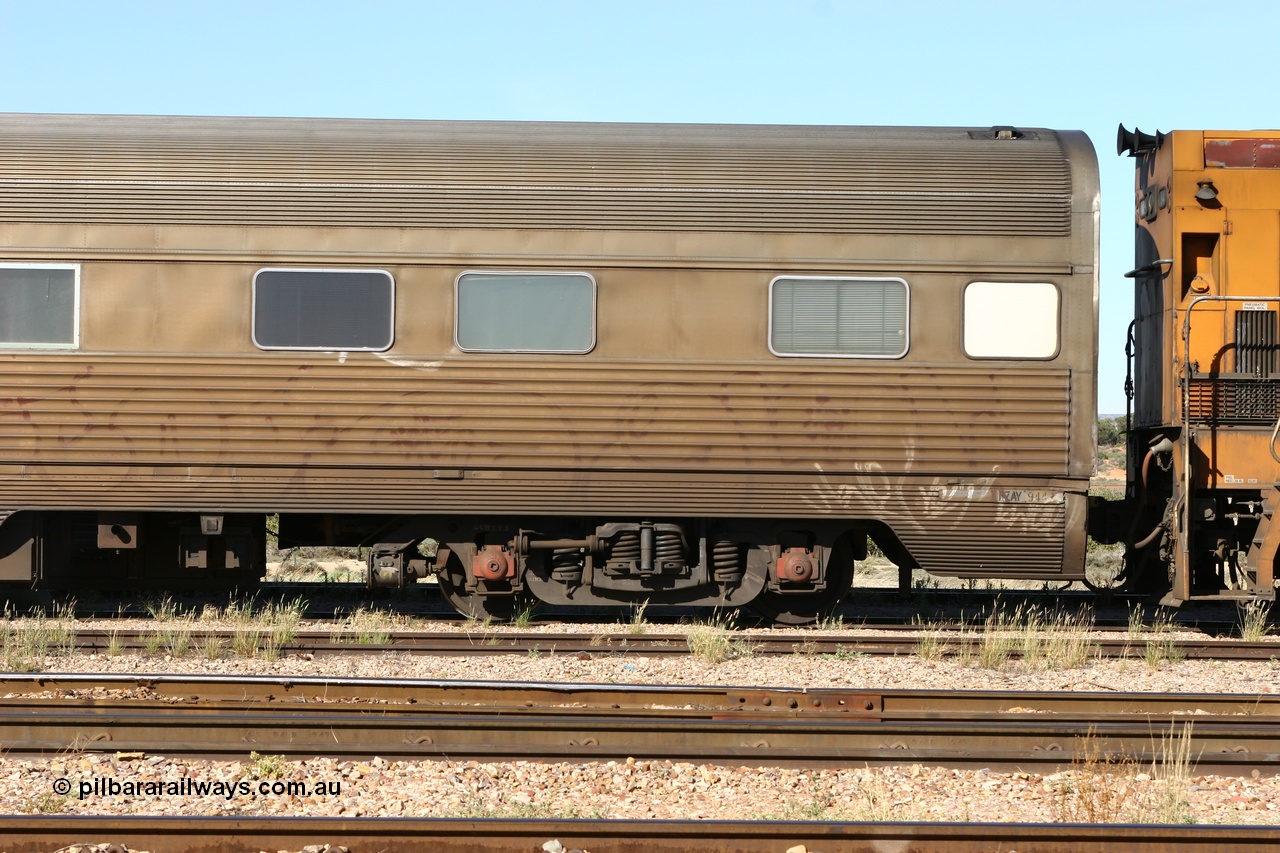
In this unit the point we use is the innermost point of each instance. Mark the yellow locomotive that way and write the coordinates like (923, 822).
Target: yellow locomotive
(1203, 460)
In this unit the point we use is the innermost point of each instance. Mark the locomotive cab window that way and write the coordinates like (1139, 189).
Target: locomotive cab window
(838, 317)
(303, 309)
(525, 312)
(1011, 319)
(39, 305)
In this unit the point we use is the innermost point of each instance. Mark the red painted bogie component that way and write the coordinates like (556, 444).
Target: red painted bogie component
(796, 566)
(493, 563)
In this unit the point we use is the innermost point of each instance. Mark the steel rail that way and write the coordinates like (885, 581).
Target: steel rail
(743, 729)
(448, 643)
(1230, 746)
(25, 834)
(522, 696)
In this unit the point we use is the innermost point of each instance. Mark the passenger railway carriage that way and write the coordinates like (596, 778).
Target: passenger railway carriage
(595, 363)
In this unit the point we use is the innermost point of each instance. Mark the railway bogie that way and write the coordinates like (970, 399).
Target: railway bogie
(795, 570)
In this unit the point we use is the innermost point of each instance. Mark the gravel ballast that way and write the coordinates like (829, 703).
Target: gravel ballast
(107, 783)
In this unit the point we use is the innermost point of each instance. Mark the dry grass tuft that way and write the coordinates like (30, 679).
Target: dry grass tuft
(1105, 788)
(1039, 639)
(27, 641)
(1252, 617)
(714, 642)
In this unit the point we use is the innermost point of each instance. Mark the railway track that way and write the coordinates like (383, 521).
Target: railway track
(229, 718)
(392, 835)
(879, 643)
(882, 607)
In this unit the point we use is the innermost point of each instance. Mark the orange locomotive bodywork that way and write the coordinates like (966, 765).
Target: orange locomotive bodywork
(1203, 464)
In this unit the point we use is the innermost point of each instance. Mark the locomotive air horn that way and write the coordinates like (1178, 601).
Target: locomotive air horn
(1136, 142)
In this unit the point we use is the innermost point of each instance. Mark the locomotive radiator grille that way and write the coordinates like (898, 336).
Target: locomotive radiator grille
(1256, 342)
(1236, 400)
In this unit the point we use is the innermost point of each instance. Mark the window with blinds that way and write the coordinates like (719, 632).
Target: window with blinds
(838, 317)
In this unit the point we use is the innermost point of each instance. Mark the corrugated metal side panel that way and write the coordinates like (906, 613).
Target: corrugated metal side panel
(966, 537)
(594, 177)
(988, 538)
(535, 414)
(587, 208)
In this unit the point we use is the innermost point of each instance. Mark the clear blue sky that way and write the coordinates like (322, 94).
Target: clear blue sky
(1082, 65)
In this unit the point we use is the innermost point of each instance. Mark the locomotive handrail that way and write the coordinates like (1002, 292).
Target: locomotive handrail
(1146, 268)
(1186, 357)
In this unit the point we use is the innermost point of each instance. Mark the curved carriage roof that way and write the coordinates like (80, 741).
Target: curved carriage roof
(438, 174)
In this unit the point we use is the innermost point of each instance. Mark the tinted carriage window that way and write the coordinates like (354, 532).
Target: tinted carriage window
(526, 312)
(38, 305)
(865, 317)
(323, 309)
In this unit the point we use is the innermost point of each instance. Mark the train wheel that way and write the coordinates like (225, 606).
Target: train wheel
(808, 607)
(496, 608)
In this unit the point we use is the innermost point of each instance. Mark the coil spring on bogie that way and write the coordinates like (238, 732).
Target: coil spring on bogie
(668, 548)
(566, 565)
(726, 562)
(626, 547)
